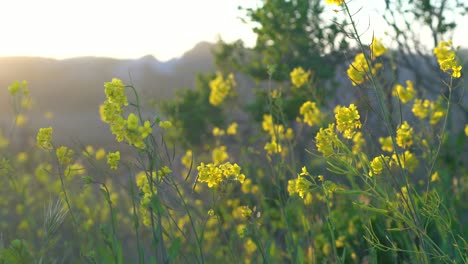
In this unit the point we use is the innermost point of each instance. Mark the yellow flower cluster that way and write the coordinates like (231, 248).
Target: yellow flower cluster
(299, 77)
(44, 138)
(220, 88)
(359, 70)
(404, 135)
(301, 185)
(326, 140)
(435, 110)
(311, 113)
(17, 87)
(447, 60)
(405, 95)
(219, 155)
(347, 120)
(232, 129)
(277, 133)
(408, 161)
(111, 112)
(466, 130)
(113, 159)
(145, 189)
(64, 155)
(386, 143)
(378, 164)
(214, 174)
(187, 159)
(165, 124)
(335, 2)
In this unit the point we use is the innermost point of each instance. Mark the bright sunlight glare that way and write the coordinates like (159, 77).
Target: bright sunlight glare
(131, 29)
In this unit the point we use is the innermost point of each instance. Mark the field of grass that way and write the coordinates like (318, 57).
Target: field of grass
(381, 179)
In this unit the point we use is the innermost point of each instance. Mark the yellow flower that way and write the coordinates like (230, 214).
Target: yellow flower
(114, 91)
(359, 142)
(466, 130)
(404, 135)
(145, 129)
(113, 159)
(217, 132)
(299, 77)
(421, 108)
(220, 88)
(377, 48)
(165, 124)
(405, 95)
(214, 175)
(44, 138)
(219, 155)
(312, 115)
(232, 129)
(347, 120)
(16, 87)
(408, 161)
(386, 143)
(447, 60)
(358, 70)
(100, 153)
(435, 177)
(22, 157)
(64, 155)
(21, 120)
(187, 159)
(335, 2)
(326, 140)
(378, 164)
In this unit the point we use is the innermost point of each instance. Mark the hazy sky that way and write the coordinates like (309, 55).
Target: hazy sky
(131, 29)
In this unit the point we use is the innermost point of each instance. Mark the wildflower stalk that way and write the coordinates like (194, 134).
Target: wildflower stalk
(380, 95)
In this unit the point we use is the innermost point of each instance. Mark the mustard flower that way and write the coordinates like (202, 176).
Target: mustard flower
(447, 60)
(312, 115)
(17, 87)
(132, 121)
(219, 155)
(378, 164)
(405, 95)
(299, 77)
(437, 111)
(214, 175)
(435, 177)
(21, 120)
(377, 48)
(220, 88)
(113, 159)
(187, 159)
(334, 2)
(408, 161)
(114, 91)
(64, 155)
(404, 135)
(347, 120)
(217, 132)
(165, 124)
(44, 138)
(421, 108)
(326, 140)
(359, 142)
(232, 129)
(145, 130)
(100, 153)
(357, 71)
(386, 143)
